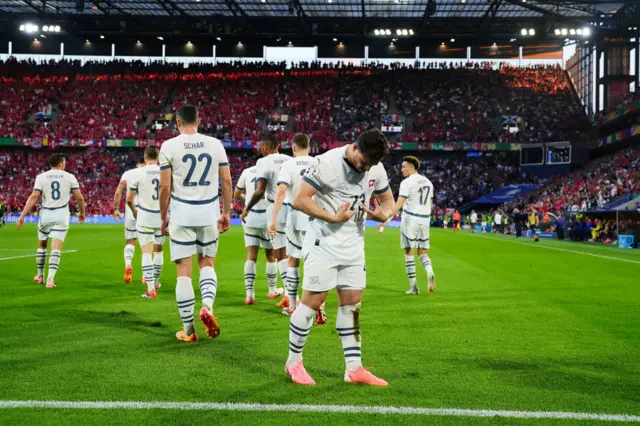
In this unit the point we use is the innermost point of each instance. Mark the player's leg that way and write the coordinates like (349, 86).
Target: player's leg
(252, 243)
(250, 274)
(158, 257)
(319, 278)
(272, 266)
(407, 243)
(294, 251)
(54, 261)
(41, 257)
(129, 249)
(351, 283)
(183, 247)
(147, 267)
(207, 246)
(280, 248)
(410, 267)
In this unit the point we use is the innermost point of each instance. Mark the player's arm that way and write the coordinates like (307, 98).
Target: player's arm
(239, 194)
(31, 201)
(261, 187)
(81, 205)
(277, 205)
(304, 202)
(165, 194)
(131, 195)
(383, 206)
(227, 189)
(116, 200)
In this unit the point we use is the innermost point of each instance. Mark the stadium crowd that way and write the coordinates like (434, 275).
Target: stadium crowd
(331, 102)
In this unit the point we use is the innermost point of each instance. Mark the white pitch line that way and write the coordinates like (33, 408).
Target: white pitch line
(360, 409)
(33, 255)
(558, 249)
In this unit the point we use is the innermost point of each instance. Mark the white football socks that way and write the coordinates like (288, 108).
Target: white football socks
(186, 299)
(129, 250)
(410, 265)
(147, 271)
(208, 286)
(299, 327)
(41, 260)
(283, 265)
(158, 263)
(272, 276)
(348, 328)
(293, 281)
(54, 262)
(250, 278)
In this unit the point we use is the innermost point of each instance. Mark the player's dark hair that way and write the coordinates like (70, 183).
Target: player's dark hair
(187, 114)
(151, 152)
(413, 161)
(270, 141)
(55, 160)
(301, 141)
(373, 144)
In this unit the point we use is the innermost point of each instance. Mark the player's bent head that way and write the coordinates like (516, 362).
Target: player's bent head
(373, 146)
(268, 144)
(151, 153)
(300, 141)
(411, 164)
(56, 160)
(187, 115)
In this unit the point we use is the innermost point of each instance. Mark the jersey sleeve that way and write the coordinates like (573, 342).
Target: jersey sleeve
(134, 181)
(261, 171)
(404, 189)
(73, 183)
(166, 157)
(284, 177)
(242, 185)
(382, 182)
(38, 185)
(319, 175)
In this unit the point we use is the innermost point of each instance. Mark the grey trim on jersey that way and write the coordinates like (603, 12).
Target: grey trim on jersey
(382, 191)
(55, 208)
(147, 210)
(416, 214)
(194, 202)
(312, 183)
(166, 166)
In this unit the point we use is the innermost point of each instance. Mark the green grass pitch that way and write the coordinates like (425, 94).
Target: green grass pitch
(512, 326)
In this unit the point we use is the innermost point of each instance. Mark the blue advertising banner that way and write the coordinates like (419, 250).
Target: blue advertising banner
(625, 241)
(506, 194)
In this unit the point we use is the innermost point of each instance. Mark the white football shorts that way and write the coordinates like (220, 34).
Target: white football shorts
(150, 236)
(53, 230)
(256, 237)
(294, 242)
(187, 241)
(413, 235)
(130, 230)
(320, 275)
(280, 239)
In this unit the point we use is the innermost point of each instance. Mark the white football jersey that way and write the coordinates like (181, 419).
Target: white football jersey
(291, 174)
(127, 178)
(257, 217)
(55, 187)
(147, 185)
(194, 161)
(377, 182)
(418, 193)
(337, 182)
(268, 169)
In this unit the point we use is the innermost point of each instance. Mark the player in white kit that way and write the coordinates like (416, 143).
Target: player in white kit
(255, 235)
(144, 191)
(130, 234)
(297, 222)
(191, 165)
(333, 193)
(54, 186)
(267, 171)
(415, 199)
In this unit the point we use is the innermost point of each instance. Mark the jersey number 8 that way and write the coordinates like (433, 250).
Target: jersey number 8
(55, 190)
(192, 159)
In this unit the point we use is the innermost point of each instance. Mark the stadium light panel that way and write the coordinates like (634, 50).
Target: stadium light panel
(57, 28)
(453, 40)
(579, 31)
(46, 28)
(388, 31)
(564, 31)
(102, 37)
(160, 38)
(572, 31)
(399, 32)
(410, 32)
(376, 32)
(405, 32)
(532, 32)
(335, 39)
(219, 39)
(523, 31)
(22, 27)
(557, 31)
(586, 31)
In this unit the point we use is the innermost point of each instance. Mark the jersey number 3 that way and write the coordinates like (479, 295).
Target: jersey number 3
(55, 190)
(155, 184)
(192, 167)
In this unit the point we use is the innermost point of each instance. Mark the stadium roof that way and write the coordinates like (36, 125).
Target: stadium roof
(429, 18)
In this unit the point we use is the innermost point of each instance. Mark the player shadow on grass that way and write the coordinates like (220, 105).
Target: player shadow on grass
(120, 319)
